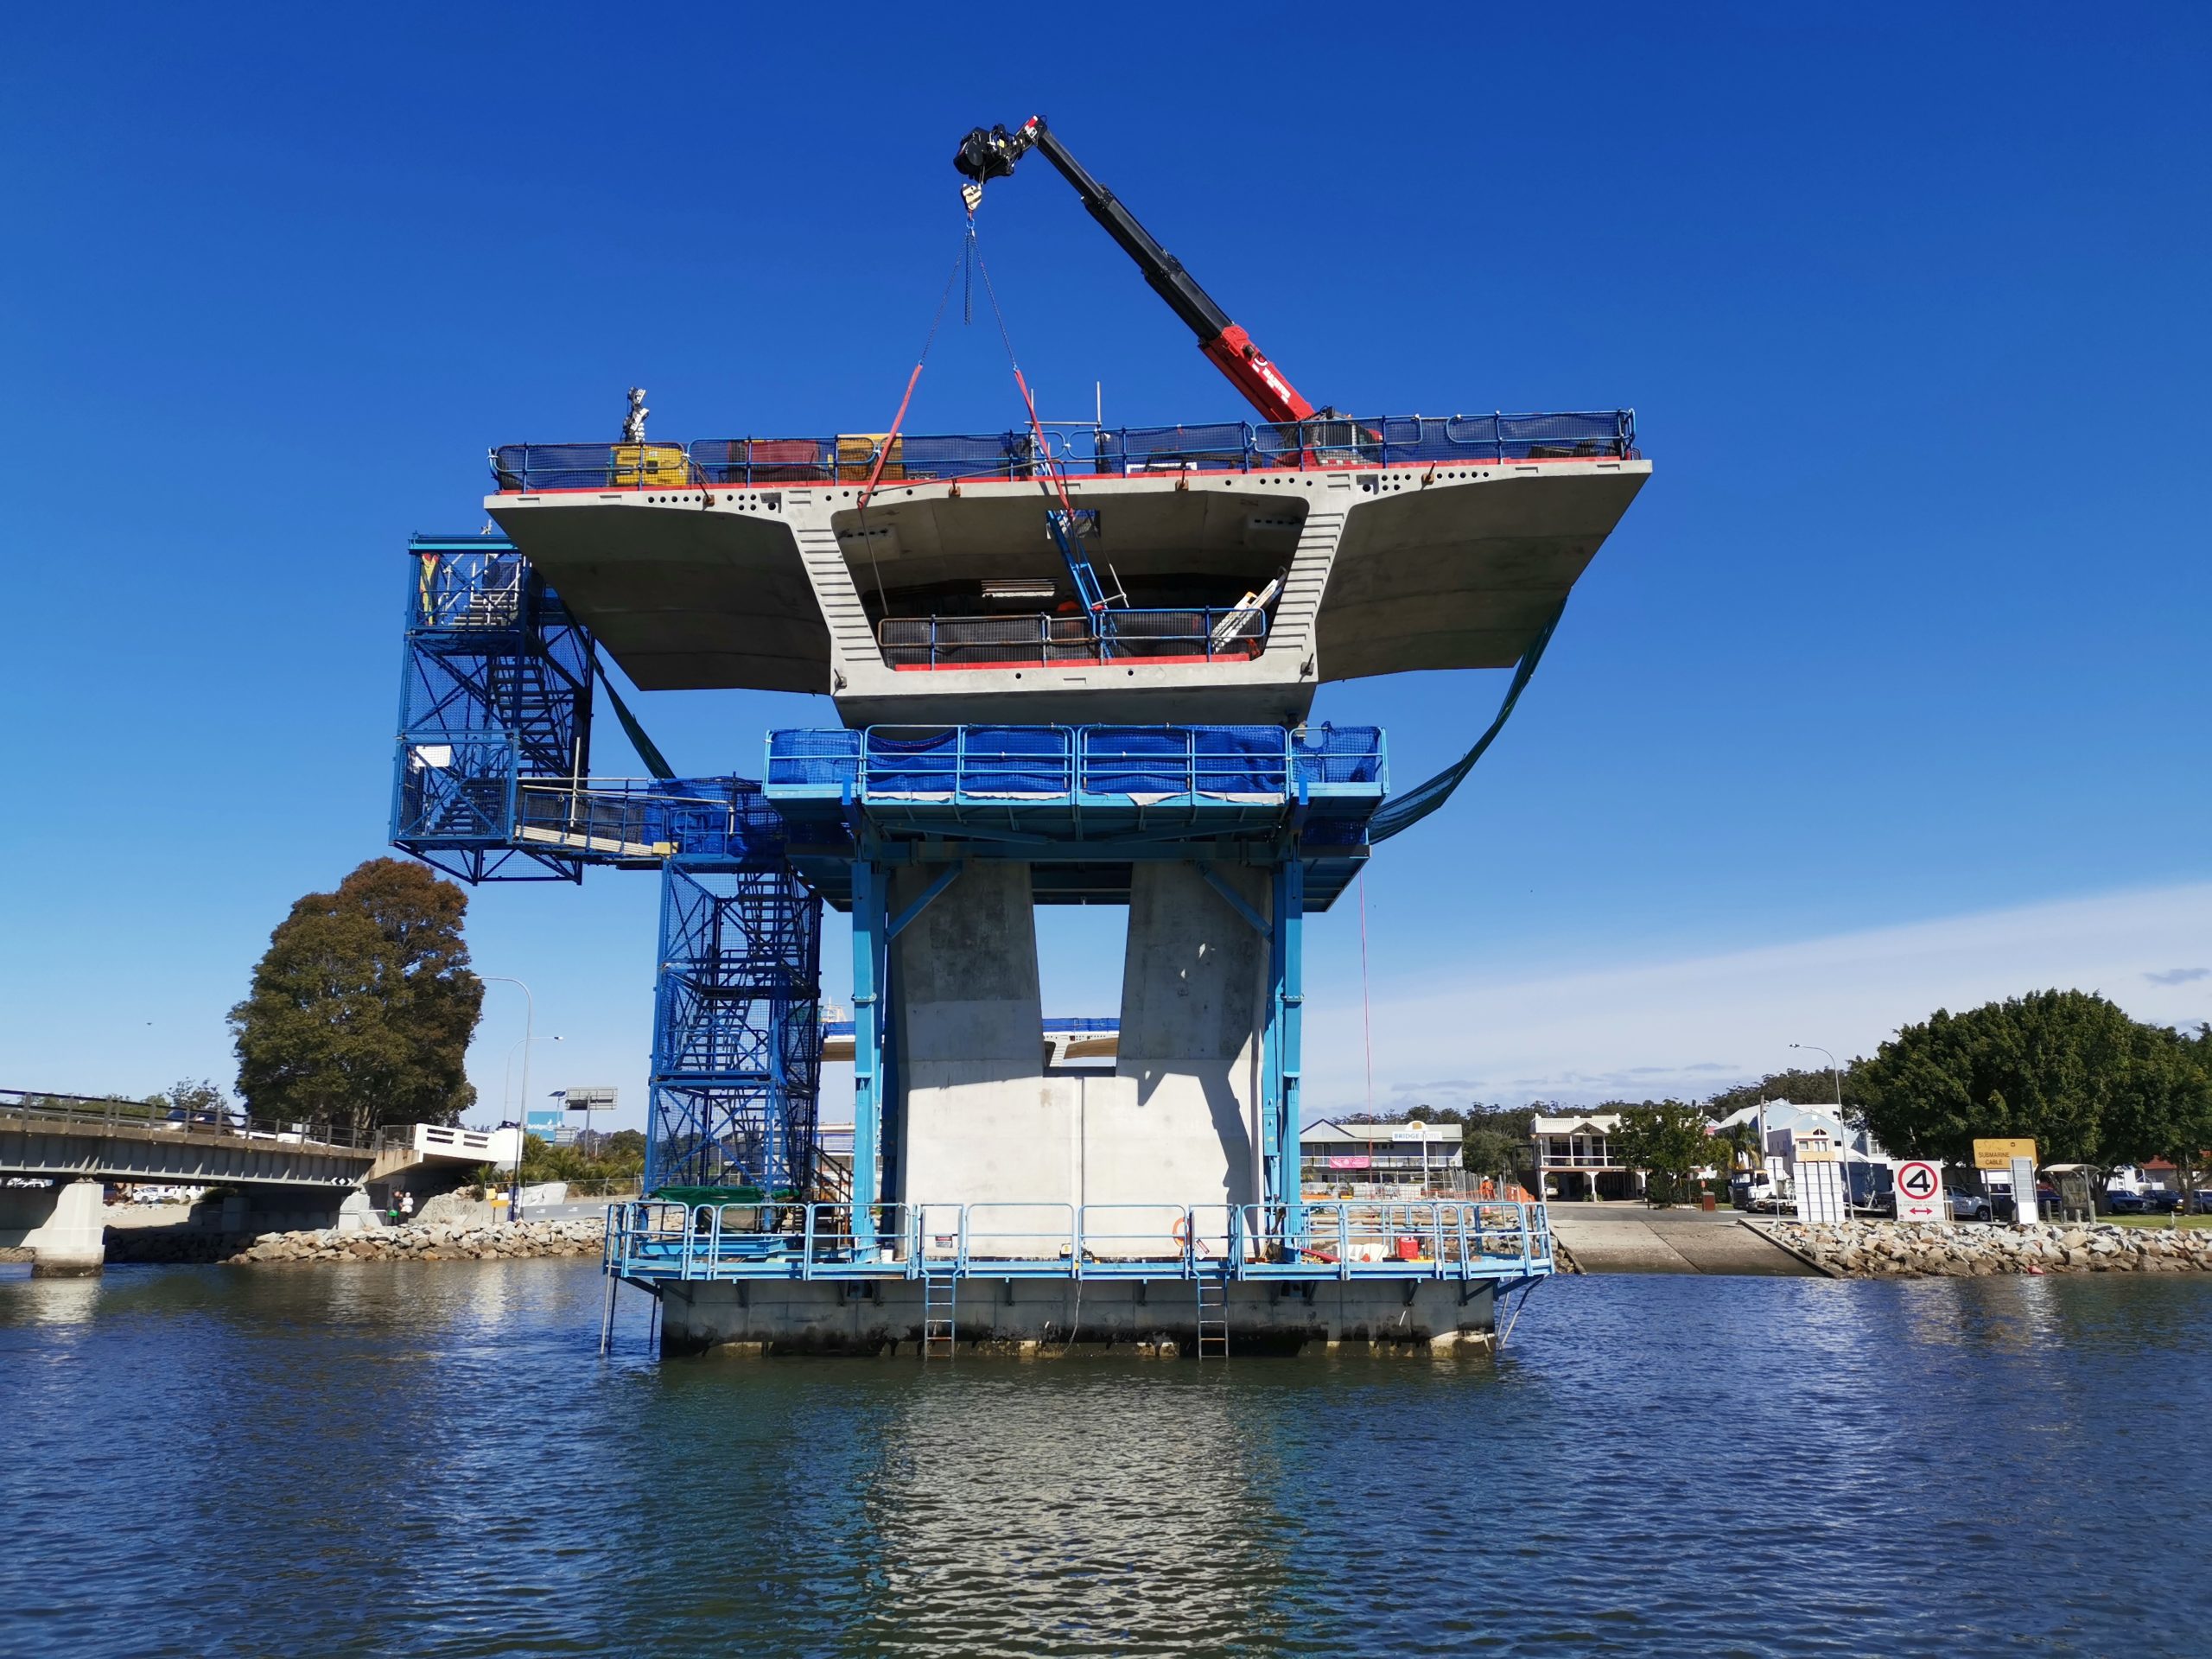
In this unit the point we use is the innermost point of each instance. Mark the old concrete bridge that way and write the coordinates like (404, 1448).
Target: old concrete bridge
(58, 1152)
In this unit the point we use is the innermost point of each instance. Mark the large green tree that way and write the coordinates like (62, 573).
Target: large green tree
(2068, 1068)
(2163, 1108)
(1666, 1139)
(362, 1008)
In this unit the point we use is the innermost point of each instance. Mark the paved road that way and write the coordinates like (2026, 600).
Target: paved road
(1628, 1238)
(592, 1207)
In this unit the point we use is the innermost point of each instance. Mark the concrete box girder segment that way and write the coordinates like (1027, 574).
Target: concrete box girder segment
(1385, 568)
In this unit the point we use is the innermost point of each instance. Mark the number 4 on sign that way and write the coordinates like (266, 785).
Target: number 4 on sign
(1920, 1190)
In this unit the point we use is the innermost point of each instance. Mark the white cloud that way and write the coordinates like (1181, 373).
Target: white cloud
(1689, 1027)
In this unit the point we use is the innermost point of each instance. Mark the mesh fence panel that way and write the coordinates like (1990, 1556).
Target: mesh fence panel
(1184, 760)
(765, 461)
(813, 757)
(554, 465)
(991, 454)
(913, 760)
(1221, 445)
(1016, 760)
(1341, 754)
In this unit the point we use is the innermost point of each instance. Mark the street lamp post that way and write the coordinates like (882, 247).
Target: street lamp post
(1836, 1077)
(529, 1022)
(507, 1073)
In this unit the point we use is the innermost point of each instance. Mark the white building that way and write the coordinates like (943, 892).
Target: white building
(1380, 1160)
(1574, 1158)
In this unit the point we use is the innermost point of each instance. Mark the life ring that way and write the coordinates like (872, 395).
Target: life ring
(1180, 1232)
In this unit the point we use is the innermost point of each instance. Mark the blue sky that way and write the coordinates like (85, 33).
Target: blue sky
(1900, 653)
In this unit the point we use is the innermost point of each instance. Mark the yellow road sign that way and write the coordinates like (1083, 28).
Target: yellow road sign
(1999, 1154)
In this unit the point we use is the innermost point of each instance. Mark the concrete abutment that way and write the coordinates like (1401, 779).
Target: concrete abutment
(63, 1226)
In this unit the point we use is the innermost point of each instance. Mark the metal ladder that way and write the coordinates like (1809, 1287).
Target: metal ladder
(940, 1294)
(1067, 533)
(1213, 1316)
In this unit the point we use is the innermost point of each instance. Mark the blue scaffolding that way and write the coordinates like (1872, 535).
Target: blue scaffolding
(490, 783)
(737, 1037)
(496, 688)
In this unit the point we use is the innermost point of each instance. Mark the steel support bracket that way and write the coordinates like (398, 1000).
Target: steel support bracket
(1236, 902)
(944, 879)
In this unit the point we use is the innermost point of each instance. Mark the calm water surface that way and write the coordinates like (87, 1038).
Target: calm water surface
(427, 1458)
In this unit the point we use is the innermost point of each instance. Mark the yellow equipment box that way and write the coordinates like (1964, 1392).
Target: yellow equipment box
(856, 456)
(648, 465)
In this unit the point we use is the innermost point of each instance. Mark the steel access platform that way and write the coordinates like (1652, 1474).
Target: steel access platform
(1501, 1244)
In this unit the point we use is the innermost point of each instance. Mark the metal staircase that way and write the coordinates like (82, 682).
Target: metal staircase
(1213, 1315)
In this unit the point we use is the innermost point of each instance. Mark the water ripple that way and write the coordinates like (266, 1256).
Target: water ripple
(428, 1459)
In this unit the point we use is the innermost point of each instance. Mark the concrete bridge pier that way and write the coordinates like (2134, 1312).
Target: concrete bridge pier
(64, 1227)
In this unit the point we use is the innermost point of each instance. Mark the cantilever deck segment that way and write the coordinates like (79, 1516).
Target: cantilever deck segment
(780, 587)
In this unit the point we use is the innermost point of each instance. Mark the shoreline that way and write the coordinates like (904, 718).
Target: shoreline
(432, 1241)
(1888, 1249)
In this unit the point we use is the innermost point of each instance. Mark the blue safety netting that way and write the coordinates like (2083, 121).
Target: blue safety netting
(1325, 440)
(1216, 445)
(1507, 438)
(983, 761)
(1186, 760)
(1339, 754)
(800, 758)
(970, 456)
(1034, 761)
(1425, 797)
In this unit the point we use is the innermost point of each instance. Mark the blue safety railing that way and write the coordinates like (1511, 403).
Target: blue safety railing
(1048, 763)
(1447, 1239)
(1331, 442)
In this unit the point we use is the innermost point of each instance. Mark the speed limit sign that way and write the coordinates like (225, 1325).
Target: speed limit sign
(1920, 1190)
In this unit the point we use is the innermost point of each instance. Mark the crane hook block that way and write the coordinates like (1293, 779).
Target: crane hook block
(989, 153)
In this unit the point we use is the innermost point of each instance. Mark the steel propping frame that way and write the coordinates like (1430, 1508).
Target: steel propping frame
(495, 686)
(491, 784)
(737, 1037)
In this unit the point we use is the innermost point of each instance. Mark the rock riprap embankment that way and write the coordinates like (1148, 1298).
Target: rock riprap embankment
(1881, 1249)
(437, 1242)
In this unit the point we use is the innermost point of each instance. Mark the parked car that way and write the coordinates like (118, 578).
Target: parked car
(2145, 1201)
(1873, 1188)
(1760, 1192)
(1967, 1206)
(199, 1117)
(2204, 1201)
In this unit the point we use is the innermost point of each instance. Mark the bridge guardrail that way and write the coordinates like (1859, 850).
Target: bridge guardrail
(1326, 442)
(1440, 1239)
(91, 1111)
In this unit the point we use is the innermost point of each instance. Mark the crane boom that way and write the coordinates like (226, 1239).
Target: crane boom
(987, 155)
